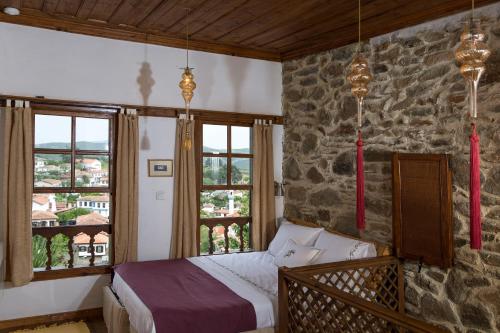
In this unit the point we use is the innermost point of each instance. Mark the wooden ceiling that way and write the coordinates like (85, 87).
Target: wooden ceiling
(265, 29)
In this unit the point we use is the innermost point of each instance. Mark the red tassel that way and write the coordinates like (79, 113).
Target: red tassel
(360, 186)
(475, 192)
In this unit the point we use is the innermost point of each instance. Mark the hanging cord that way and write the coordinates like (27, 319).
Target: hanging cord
(187, 37)
(472, 12)
(359, 25)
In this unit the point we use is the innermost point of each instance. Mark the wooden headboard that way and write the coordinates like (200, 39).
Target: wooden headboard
(382, 249)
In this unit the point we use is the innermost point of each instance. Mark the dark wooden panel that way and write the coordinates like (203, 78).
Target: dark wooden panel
(104, 9)
(204, 15)
(332, 25)
(168, 13)
(34, 4)
(422, 208)
(68, 7)
(325, 13)
(131, 12)
(49, 6)
(248, 12)
(86, 7)
(271, 20)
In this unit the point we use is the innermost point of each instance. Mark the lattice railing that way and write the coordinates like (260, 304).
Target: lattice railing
(70, 232)
(226, 223)
(354, 296)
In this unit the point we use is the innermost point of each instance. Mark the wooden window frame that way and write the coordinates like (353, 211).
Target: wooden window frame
(229, 155)
(78, 111)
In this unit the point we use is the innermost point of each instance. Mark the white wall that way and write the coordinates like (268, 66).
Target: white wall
(37, 62)
(157, 137)
(76, 67)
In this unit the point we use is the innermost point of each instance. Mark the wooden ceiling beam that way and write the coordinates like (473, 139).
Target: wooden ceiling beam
(37, 19)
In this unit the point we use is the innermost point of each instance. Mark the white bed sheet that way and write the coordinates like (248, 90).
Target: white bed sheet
(252, 276)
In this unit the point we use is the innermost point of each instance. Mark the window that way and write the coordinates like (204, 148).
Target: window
(225, 168)
(72, 152)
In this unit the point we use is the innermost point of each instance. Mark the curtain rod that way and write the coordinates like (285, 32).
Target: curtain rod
(146, 111)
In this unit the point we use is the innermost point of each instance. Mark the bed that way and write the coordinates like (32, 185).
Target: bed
(252, 276)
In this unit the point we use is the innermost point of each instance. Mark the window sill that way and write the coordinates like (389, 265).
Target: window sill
(71, 272)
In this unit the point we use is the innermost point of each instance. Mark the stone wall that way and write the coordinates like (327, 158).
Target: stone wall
(417, 103)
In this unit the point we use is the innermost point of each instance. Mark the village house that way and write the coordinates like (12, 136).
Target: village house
(101, 240)
(90, 163)
(48, 182)
(44, 202)
(97, 204)
(43, 219)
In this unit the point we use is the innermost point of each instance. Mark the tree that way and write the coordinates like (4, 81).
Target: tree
(58, 249)
(236, 175)
(72, 214)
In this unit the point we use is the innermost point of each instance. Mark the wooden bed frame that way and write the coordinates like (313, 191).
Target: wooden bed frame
(117, 319)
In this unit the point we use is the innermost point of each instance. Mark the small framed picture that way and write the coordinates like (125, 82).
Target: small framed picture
(160, 168)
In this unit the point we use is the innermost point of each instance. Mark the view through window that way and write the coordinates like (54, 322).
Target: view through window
(71, 204)
(226, 188)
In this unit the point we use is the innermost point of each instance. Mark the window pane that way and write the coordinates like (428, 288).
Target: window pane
(92, 134)
(52, 170)
(52, 132)
(241, 171)
(214, 170)
(240, 140)
(224, 203)
(214, 138)
(92, 171)
(63, 209)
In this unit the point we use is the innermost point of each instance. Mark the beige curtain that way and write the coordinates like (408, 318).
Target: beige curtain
(126, 197)
(184, 234)
(263, 212)
(17, 186)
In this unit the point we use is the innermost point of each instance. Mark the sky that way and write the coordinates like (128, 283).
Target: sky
(58, 129)
(215, 136)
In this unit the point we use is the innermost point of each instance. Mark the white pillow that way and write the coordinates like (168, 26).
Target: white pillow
(294, 255)
(300, 234)
(338, 248)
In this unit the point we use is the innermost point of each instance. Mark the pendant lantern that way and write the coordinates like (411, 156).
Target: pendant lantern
(472, 55)
(359, 78)
(187, 86)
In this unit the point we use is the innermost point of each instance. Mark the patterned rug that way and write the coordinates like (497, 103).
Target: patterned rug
(80, 327)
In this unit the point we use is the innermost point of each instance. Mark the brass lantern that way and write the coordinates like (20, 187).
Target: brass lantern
(472, 55)
(359, 78)
(187, 86)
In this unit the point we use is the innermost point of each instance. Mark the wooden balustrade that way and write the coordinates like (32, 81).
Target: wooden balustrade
(357, 296)
(226, 223)
(70, 231)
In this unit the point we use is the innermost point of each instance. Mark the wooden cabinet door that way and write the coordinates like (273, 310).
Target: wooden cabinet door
(422, 204)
